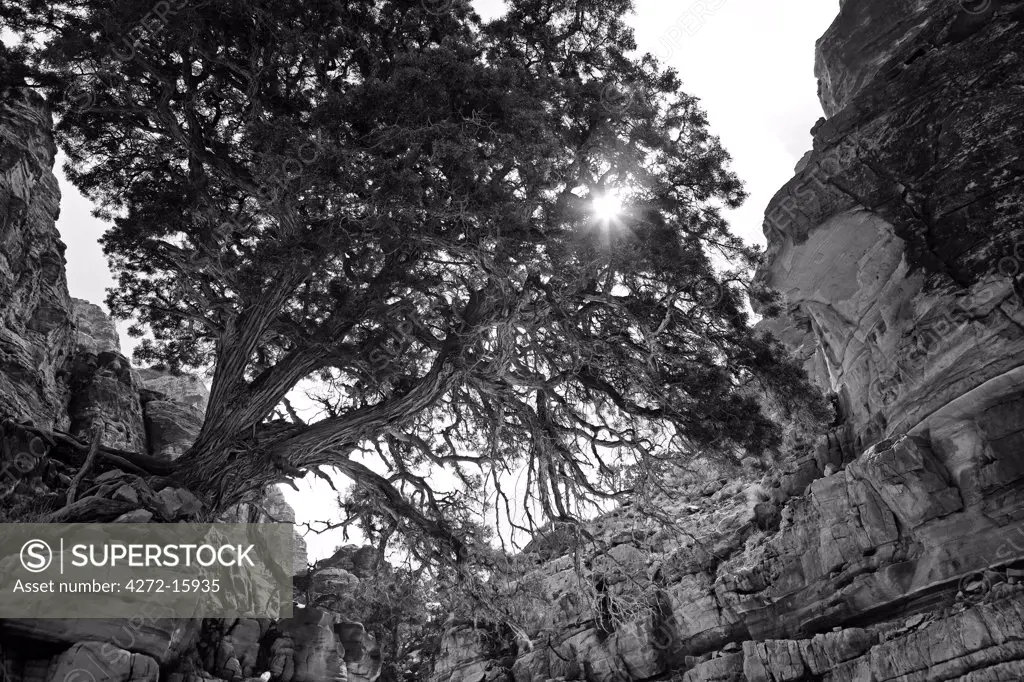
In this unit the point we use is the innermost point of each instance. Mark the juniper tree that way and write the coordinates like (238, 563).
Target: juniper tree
(393, 201)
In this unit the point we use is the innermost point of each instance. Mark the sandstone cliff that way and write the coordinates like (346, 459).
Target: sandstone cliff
(35, 308)
(61, 368)
(892, 551)
(895, 551)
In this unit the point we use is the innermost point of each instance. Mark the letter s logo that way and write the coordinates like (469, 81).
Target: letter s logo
(36, 556)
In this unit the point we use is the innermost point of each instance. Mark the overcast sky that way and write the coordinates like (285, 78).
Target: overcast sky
(751, 63)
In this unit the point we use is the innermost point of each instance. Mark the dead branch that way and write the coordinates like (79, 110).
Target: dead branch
(93, 509)
(97, 436)
(142, 464)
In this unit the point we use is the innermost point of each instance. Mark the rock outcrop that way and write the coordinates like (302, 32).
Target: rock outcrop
(35, 309)
(900, 242)
(182, 389)
(61, 370)
(895, 550)
(95, 332)
(862, 41)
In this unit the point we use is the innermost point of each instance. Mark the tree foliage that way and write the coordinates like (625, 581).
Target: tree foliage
(393, 202)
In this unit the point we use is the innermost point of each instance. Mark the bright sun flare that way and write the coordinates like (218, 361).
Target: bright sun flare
(607, 207)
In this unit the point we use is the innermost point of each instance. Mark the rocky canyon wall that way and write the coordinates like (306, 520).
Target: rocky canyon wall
(35, 308)
(894, 551)
(61, 370)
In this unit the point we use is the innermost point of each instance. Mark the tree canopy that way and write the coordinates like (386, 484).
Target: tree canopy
(393, 202)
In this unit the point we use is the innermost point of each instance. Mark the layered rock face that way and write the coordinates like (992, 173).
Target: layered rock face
(61, 368)
(899, 243)
(862, 41)
(895, 551)
(35, 308)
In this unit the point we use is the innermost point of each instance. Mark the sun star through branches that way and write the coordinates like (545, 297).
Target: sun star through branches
(607, 207)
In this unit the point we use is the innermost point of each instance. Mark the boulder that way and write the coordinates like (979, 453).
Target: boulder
(135, 516)
(161, 639)
(93, 661)
(331, 584)
(362, 653)
(176, 503)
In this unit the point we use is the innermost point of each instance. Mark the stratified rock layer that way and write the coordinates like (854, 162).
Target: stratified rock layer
(35, 308)
(900, 244)
(61, 369)
(894, 551)
(95, 332)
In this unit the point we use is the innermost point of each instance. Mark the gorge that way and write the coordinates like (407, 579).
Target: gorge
(890, 549)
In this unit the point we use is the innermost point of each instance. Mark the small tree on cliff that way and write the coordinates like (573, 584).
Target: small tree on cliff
(394, 199)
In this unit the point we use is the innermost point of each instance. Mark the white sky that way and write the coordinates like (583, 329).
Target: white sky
(749, 61)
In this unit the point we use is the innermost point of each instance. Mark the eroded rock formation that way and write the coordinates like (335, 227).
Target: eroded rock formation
(899, 242)
(895, 550)
(61, 368)
(35, 308)
(892, 551)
